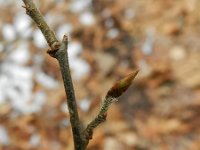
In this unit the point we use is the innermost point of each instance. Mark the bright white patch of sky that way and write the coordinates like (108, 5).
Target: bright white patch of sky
(87, 18)
(8, 32)
(16, 79)
(4, 138)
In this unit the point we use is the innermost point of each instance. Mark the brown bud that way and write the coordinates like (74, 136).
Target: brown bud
(121, 86)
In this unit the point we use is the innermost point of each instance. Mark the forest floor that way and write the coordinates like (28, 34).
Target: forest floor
(108, 40)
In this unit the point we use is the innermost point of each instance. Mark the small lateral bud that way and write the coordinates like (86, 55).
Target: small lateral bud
(121, 86)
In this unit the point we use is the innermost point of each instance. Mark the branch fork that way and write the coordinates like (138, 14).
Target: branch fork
(59, 51)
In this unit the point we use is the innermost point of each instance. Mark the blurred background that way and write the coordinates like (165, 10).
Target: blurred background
(108, 39)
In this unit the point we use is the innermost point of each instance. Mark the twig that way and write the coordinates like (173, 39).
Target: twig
(117, 90)
(100, 118)
(62, 56)
(35, 14)
(59, 51)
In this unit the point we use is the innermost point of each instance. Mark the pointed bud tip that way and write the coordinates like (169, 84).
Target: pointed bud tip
(131, 76)
(122, 85)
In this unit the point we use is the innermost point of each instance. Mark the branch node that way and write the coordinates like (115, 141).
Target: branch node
(54, 48)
